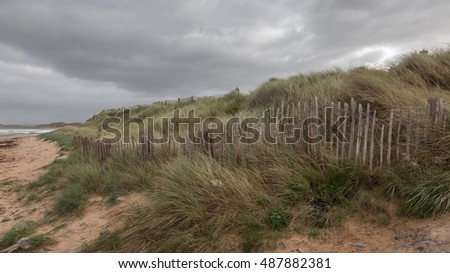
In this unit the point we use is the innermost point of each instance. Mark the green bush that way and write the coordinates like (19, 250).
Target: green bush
(72, 200)
(427, 199)
(278, 219)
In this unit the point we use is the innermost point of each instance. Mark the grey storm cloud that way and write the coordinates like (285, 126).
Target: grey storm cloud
(65, 60)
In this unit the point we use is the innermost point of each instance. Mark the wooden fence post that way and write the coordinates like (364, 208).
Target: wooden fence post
(359, 136)
(426, 123)
(300, 125)
(372, 141)
(408, 134)
(345, 131)
(417, 137)
(366, 134)
(391, 119)
(307, 115)
(352, 129)
(337, 117)
(330, 124)
(400, 118)
(381, 146)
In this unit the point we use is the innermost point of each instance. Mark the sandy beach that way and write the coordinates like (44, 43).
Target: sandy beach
(24, 159)
(21, 162)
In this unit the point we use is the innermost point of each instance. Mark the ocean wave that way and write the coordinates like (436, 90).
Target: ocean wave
(21, 132)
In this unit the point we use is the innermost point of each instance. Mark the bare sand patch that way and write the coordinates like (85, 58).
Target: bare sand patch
(24, 160)
(402, 235)
(99, 217)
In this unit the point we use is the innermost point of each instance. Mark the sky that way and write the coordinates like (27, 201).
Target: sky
(63, 60)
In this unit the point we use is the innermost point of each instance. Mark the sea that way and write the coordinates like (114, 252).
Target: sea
(23, 132)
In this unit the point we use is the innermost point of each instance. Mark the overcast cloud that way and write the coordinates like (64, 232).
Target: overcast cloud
(66, 60)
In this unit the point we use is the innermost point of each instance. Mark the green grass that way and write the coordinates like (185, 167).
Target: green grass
(278, 219)
(428, 198)
(8, 182)
(111, 179)
(76, 178)
(104, 243)
(39, 240)
(71, 201)
(54, 177)
(15, 233)
(252, 233)
(65, 142)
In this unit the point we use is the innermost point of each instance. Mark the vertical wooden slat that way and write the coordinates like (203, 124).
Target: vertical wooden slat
(83, 146)
(293, 117)
(287, 127)
(323, 148)
(338, 114)
(352, 128)
(359, 136)
(381, 146)
(425, 123)
(417, 137)
(236, 144)
(436, 112)
(316, 105)
(372, 141)
(299, 124)
(433, 109)
(408, 134)
(444, 126)
(391, 120)
(293, 109)
(327, 126)
(443, 121)
(366, 134)
(306, 113)
(400, 118)
(277, 124)
(440, 107)
(345, 130)
(331, 124)
(105, 147)
(103, 150)
(312, 113)
(316, 114)
(305, 110)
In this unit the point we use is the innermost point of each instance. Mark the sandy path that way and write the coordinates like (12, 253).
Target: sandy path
(23, 163)
(25, 160)
(99, 217)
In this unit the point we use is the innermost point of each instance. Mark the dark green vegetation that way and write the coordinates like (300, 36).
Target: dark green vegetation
(24, 230)
(65, 142)
(198, 204)
(17, 232)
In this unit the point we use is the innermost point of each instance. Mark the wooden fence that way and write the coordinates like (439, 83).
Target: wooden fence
(369, 138)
